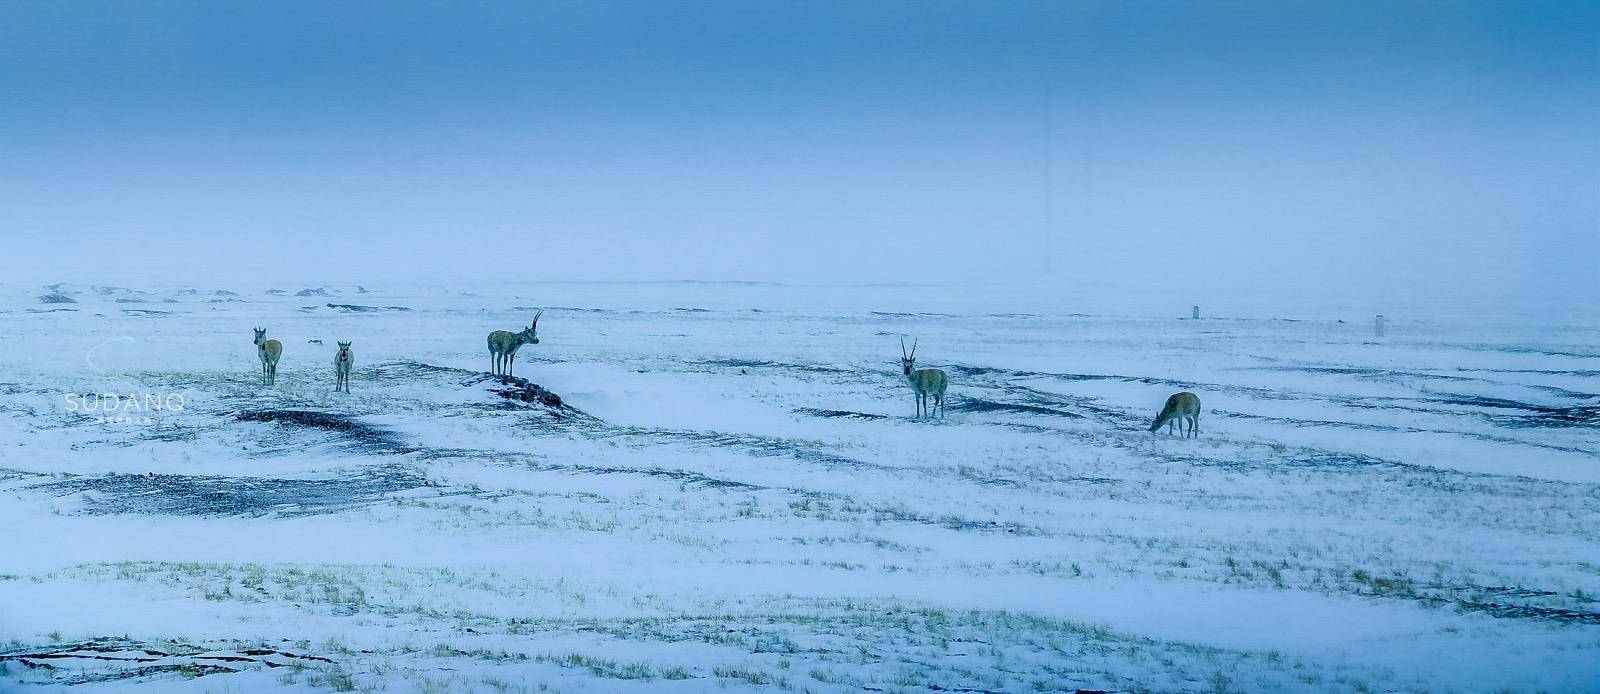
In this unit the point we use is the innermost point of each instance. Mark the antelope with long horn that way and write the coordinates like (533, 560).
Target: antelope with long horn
(925, 382)
(269, 351)
(503, 346)
(342, 361)
(1180, 408)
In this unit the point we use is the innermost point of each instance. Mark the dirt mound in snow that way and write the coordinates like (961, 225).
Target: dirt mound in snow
(523, 390)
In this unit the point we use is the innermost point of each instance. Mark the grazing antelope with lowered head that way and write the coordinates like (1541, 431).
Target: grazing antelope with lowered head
(503, 346)
(269, 351)
(341, 367)
(1180, 408)
(926, 382)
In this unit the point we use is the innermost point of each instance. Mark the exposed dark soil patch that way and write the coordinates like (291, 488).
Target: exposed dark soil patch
(838, 414)
(356, 432)
(1503, 591)
(1365, 373)
(355, 308)
(410, 370)
(1529, 415)
(681, 476)
(1287, 421)
(1530, 350)
(765, 364)
(183, 495)
(991, 480)
(894, 314)
(110, 660)
(1290, 421)
(1506, 610)
(1325, 460)
(1339, 460)
(306, 418)
(768, 446)
(1588, 373)
(965, 404)
(1387, 375)
(762, 446)
(1089, 406)
(577, 309)
(1441, 595)
(960, 370)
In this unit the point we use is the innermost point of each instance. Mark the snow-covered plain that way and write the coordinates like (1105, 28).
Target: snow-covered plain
(741, 497)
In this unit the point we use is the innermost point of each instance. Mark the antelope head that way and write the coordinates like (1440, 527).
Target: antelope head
(908, 362)
(344, 347)
(530, 335)
(261, 336)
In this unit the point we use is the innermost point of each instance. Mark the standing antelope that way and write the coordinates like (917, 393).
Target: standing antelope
(924, 382)
(503, 346)
(1181, 407)
(341, 367)
(269, 351)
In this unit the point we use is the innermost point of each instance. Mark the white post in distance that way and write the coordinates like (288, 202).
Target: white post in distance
(1196, 313)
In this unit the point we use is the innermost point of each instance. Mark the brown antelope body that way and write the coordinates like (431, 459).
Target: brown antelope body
(269, 351)
(342, 361)
(1180, 408)
(503, 346)
(927, 383)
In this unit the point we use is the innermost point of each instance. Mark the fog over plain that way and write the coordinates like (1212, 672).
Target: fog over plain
(1447, 149)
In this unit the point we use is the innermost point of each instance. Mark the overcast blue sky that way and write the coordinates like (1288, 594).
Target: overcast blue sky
(1390, 146)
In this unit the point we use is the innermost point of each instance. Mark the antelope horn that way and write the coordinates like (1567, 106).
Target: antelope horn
(536, 315)
(914, 348)
(902, 348)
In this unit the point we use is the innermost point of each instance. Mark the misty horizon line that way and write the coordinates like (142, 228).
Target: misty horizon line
(1042, 280)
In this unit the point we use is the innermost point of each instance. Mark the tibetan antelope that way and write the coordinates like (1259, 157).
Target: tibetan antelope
(341, 367)
(269, 351)
(925, 382)
(503, 346)
(1180, 408)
